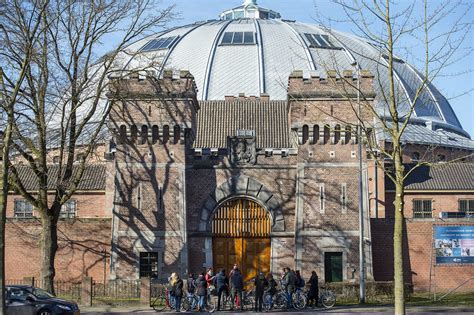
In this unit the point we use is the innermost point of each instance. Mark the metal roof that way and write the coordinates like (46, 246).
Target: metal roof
(282, 47)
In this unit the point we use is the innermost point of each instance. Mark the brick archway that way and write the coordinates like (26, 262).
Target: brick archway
(245, 187)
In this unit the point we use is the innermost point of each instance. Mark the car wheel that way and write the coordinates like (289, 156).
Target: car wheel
(45, 312)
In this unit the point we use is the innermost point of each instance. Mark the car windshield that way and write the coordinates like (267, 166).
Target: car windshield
(42, 294)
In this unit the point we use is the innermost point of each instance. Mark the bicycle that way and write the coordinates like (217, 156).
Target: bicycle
(280, 300)
(190, 300)
(327, 298)
(162, 301)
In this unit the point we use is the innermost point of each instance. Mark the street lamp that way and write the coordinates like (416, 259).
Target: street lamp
(361, 198)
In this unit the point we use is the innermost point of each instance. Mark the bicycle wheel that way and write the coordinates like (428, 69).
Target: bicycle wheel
(159, 304)
(299, 300)
(248, 300)
(267, 302)
(328, 299)
(186, 303)
(210, 304)
(280, 301)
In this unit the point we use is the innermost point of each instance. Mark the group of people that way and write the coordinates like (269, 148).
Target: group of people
(233, 285)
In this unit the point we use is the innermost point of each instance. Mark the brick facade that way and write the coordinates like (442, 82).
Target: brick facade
(161, 190)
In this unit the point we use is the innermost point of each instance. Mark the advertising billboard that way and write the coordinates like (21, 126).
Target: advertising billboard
(454, 244)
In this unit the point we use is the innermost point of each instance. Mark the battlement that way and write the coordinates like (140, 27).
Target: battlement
(262, 98)
(173, 84)
(334, 85)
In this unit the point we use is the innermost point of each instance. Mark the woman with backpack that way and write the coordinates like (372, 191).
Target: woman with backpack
(201, 291)
(176, 291)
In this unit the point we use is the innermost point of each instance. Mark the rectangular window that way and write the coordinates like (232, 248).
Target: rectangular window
(344, 197)
(22, 209)
(422, 208)
(322, 198)
(159, 43)
(68, 210)
(466, 206)
(238, 38)
(320, 41)
(148, 264)
(333, 266)
(227, 39)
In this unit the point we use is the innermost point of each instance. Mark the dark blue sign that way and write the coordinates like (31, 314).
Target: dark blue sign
(454, 244)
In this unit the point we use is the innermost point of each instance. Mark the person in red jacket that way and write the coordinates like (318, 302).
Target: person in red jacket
(209, 277)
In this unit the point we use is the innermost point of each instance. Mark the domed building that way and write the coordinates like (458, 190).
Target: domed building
(236, 144)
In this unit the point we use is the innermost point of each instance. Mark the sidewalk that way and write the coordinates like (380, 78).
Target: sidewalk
(336, 310)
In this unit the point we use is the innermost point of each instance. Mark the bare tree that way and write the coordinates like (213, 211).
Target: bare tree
(438, 33)
(62, 107)
(9, 93)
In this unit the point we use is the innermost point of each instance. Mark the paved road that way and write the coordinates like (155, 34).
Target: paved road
(336, 310)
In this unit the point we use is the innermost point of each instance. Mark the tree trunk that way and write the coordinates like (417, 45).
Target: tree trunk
(398, 277)
(4, 158)
(49, 247)
(3, 208)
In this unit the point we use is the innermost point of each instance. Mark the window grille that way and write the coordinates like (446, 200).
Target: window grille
(22, 209)
(148, 264)
(466, 206)
(422, 208)
(68, 210)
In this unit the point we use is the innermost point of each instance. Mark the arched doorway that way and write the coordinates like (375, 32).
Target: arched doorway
(241, 234)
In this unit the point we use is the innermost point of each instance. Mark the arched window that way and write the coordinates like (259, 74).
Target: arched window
(348, 135)
(315, 134)
(326, 134)
(337, 134)
(415, 156)
(155, 134)
(176, 134)
(144, 134)
(305, 134)
(122, 134)
(166, 133)
(134, 134)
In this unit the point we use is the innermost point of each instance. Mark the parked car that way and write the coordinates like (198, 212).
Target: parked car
(25, 300)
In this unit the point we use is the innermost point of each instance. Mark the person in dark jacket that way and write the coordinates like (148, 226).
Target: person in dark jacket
(313, 294)
(201, 291)
(299, 282)
(260, 284)
(271, 288)
(237, 285)
(234, 268)
(222, 283)
(289, 280)
(191, 289)
(177, 289)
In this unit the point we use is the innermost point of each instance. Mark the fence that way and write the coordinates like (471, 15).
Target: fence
(90, 292)
(117, 292)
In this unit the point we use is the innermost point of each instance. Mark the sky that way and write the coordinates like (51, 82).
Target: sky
(458, 89)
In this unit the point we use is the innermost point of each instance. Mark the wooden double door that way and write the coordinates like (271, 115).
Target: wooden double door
(241, 235)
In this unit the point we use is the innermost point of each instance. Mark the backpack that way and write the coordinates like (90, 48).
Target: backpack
(191, 285)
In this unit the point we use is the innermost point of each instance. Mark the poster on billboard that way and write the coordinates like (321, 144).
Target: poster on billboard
(454, 244)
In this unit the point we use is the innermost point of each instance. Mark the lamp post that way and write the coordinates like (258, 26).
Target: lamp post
(361, 197)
